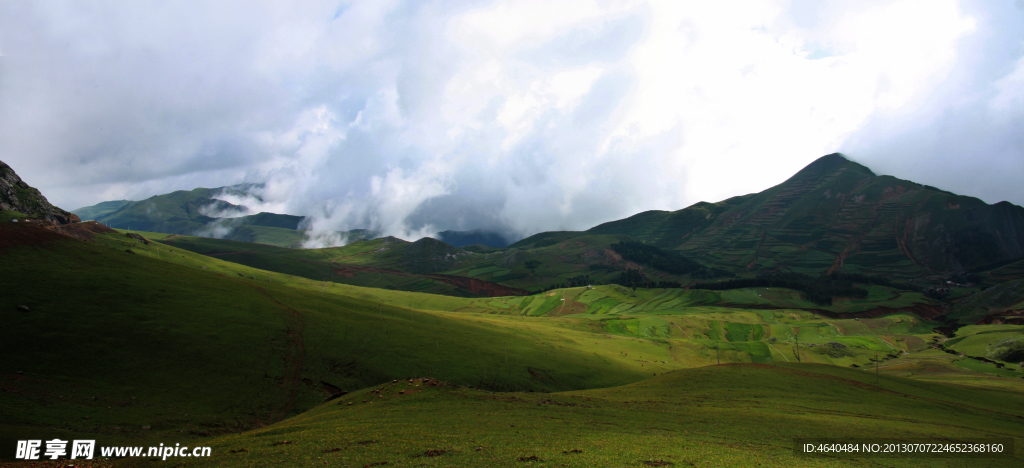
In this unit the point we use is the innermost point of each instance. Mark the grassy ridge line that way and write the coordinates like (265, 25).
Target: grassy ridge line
(730, 415)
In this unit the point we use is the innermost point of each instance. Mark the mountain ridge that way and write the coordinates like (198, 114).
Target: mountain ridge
(834, 211)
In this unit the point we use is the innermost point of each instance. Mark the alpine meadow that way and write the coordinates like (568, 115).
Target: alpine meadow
(511, 233)
(823, 307)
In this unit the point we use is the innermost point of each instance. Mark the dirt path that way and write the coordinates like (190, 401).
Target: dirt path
(780, 352)
(295, 357)
(681, 329)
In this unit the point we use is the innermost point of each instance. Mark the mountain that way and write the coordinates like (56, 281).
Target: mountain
(194, 212)
(185, 212)
(834, 215)
(135, 342)
(20, 200)
(476, 236)
(100, 209)
(199, 212)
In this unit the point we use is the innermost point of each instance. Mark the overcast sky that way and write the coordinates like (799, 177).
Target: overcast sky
(521, 116)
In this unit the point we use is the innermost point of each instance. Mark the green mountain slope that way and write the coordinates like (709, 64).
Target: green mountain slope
(122, 334)
(185, 212)
(834, 215)
(100, 209)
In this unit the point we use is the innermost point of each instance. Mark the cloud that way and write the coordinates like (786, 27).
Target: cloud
(218, 229)
(411, 118)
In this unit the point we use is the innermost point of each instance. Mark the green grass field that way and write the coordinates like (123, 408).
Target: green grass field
(121, 335)
(683, 417)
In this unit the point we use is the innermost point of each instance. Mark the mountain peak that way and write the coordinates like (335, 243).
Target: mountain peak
(831, 163)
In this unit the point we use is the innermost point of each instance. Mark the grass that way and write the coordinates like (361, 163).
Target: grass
(730, 415)
(7, 216)
(196, 347)
(131, 330)
(983, 341)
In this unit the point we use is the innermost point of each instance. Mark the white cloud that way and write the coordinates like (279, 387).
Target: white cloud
(1009, 90)
(415, 117)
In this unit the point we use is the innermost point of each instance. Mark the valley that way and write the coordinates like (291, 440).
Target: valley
(610, 347)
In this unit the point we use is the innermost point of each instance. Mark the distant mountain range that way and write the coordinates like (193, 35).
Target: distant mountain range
(834, 215)
(189, 213)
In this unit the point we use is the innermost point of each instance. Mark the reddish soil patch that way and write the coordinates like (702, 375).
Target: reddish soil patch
(82, 231)
(478, 286)
(1008, 317)
(344, 272)
(616, 258)
(26, 233)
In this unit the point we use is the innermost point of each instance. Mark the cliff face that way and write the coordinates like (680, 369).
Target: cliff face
(16, 195)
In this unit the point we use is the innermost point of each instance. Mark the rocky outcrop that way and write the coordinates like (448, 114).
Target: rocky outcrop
(16, 195)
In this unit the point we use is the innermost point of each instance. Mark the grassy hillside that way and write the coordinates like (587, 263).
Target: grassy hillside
(112, 342)
(100, 209)
(122, 335)
(194, 212)
(992, 301)
(730, 415)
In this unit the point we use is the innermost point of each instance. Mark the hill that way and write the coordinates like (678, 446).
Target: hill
(463, 238)
(150, 335)
(199, 212)
(728, 415)
(131, 340)
(100, 209)
(18, 200)
(832, 216)
(829, 196)
(188, 212)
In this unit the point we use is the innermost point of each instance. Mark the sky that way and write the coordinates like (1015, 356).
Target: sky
(514, 116)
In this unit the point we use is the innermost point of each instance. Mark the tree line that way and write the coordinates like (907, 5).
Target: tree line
(819, 290)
